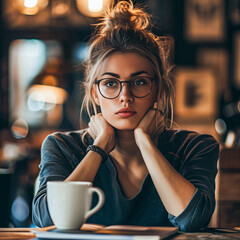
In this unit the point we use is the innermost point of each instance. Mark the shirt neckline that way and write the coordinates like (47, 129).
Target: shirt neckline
(111, 166)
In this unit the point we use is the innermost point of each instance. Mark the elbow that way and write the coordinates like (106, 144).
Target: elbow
(197, 214)
(35, 215)
(40, 213)
(195, 225)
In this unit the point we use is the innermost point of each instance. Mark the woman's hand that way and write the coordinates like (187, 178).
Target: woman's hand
(152, 124)
(102, 133)
(104, 137)
(173, 189)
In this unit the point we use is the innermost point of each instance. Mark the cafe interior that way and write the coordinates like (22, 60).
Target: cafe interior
(43, 45)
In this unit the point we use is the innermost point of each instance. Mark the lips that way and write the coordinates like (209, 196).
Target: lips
(126, 112)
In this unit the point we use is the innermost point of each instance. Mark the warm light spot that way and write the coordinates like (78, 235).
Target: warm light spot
(30, 7)
(44, 97)
(19, 128)
(231, 136)
(30, 3)
(93, 8)
(61, 9)
(49, 80)
(220, 126)
(36, 101)
(95, 5)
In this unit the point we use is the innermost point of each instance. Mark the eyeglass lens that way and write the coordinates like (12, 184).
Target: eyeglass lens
(111, 87)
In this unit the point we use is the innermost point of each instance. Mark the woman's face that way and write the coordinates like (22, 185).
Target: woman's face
(125, 111)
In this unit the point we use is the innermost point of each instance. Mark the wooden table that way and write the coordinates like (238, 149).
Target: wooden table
(209, 234)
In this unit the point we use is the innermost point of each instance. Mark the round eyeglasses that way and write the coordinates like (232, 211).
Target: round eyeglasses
(111, 88)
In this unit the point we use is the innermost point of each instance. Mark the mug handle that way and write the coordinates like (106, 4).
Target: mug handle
(101, 199)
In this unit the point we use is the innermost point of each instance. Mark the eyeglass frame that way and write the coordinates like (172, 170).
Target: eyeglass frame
(121, 86)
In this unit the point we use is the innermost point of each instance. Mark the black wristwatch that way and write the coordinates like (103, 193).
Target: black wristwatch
(98, 150)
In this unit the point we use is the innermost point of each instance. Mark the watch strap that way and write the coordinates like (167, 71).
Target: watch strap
(98, 150)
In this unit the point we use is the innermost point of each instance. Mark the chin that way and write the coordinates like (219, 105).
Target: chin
(124, 126)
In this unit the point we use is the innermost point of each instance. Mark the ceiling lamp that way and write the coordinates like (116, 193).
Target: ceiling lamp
(47, 88)
(29, 7)
(93, 8)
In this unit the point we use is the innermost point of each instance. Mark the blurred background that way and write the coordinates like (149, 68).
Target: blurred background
(42, 49)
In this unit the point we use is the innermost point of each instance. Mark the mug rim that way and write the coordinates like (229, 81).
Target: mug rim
(83, 183)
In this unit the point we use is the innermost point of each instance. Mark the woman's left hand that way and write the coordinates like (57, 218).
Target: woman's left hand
(152, 123)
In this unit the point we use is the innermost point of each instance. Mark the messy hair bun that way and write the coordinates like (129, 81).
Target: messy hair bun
(121, 25)
(124, 16)
(126, 28)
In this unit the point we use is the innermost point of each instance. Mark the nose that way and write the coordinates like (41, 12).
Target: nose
(125, 94)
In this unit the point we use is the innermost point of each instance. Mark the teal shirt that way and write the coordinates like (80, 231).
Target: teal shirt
(193, 155)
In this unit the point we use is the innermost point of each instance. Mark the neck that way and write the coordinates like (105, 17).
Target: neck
(125, 142)
(126, 149)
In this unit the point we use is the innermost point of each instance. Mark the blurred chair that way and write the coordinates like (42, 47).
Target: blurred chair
(228, 203)
(6, 176)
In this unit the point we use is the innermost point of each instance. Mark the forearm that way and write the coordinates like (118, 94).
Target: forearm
(174, 190)
(88, 167)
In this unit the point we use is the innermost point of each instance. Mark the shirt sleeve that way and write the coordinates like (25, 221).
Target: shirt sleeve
(57, 163)
(199, 167)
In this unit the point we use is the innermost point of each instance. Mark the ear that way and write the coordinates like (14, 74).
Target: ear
(95, 95)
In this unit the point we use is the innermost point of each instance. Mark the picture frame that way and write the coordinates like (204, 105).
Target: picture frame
(218, 60)
(234, 11)
(236, 64)
(195, 94)
(205, 20)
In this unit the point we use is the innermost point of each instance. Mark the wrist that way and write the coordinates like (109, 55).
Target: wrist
(140, 135)
(98, 150)
(139, 132)
(102, 143)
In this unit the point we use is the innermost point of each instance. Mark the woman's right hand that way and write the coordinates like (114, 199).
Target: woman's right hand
(104, 137)
(102, 133)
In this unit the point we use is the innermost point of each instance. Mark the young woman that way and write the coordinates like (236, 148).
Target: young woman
(151, 174)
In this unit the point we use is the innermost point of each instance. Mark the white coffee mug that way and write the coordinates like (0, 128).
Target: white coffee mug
(69, 203)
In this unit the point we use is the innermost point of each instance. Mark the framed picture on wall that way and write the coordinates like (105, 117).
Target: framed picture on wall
(217, 59)
(236, 50)
(205, 20)
(234, 8)
(195, 94)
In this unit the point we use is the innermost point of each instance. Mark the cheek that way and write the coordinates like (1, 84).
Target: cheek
(149, 102)
(106, 107)
(145, 107)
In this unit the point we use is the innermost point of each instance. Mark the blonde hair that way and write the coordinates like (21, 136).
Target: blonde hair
(126, 28)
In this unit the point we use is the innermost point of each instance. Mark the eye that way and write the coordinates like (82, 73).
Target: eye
(110, 83)
(140, 82)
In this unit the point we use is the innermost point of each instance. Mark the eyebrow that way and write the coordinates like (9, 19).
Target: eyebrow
(118, 76)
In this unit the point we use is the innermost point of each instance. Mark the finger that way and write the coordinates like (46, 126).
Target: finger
(100, 120)
(92, 129)
(91, 133)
